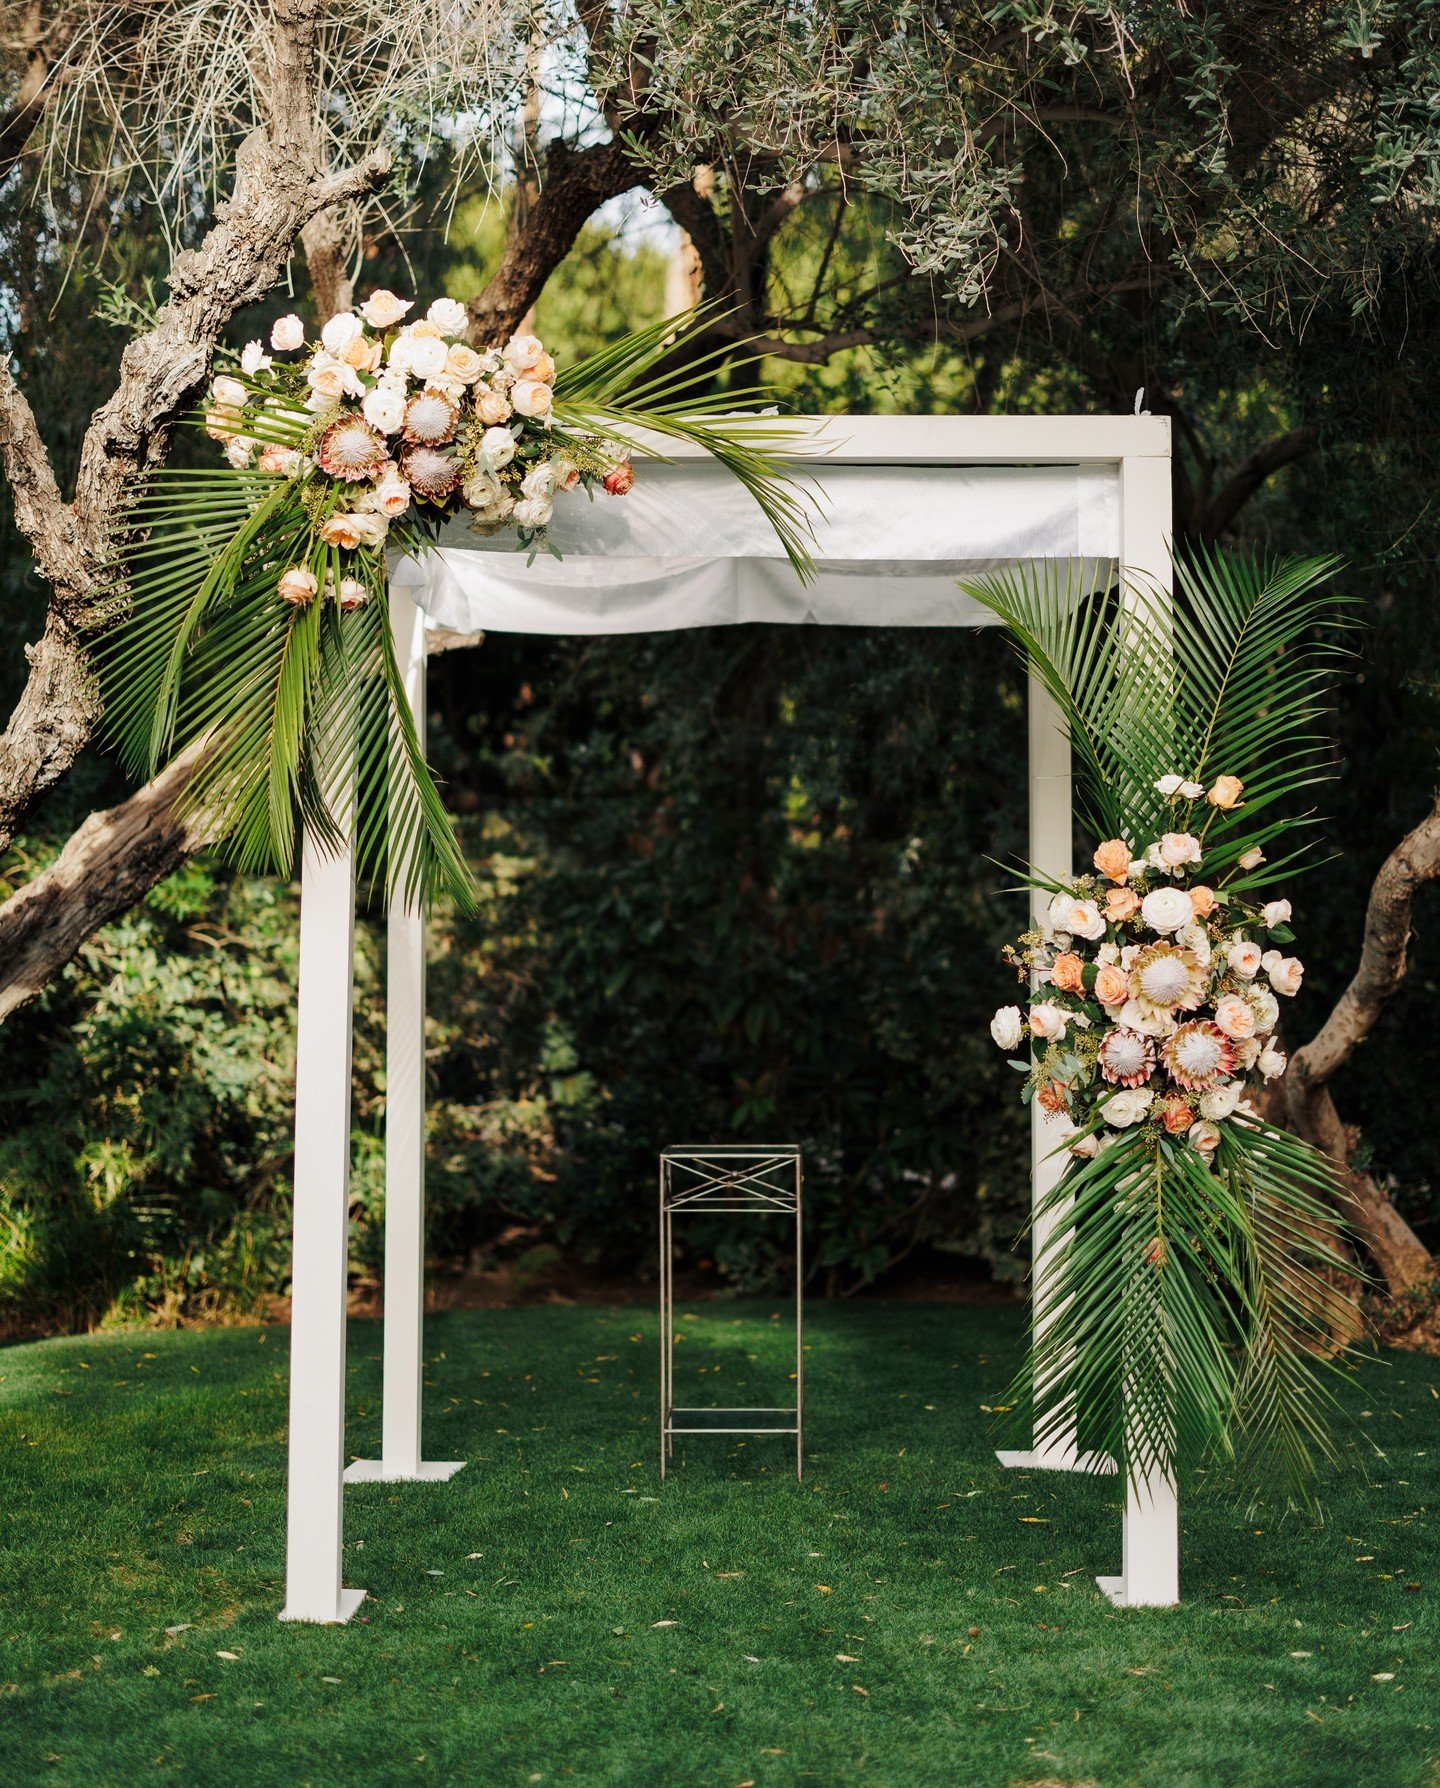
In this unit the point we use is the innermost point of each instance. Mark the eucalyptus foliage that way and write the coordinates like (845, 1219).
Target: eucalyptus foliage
(1190, 1309)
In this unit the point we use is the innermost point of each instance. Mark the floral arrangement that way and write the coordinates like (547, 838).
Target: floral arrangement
(387, 422)
(1190, 1250)
(1155, 995)
(247, 628)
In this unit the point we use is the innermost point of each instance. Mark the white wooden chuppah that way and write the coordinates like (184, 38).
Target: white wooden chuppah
(911, 503)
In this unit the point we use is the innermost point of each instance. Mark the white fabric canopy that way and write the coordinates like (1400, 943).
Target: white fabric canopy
(890, 541)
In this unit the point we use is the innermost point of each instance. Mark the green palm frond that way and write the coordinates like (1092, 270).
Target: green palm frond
(625, 392)
(1191, 1311)
(303, 708)
(1229, 676)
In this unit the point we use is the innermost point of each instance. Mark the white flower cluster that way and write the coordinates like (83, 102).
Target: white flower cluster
(406, 413)
(1154, 999)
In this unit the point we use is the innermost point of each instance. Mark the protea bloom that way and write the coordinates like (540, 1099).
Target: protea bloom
(430, 418)
(1164, 976)
(1126, 1057)
(351, 449)
(431, 475)
(1198, 1054)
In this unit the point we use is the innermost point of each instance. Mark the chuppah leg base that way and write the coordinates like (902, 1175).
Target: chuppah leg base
(1057, 1459)
(350, 1600)
(429, 1471)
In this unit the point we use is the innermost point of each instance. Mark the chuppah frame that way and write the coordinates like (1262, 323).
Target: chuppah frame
(1138, 449)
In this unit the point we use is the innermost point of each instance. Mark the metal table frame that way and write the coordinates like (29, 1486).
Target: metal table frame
(747, 1179)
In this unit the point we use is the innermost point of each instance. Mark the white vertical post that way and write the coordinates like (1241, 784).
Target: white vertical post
(1150, 1547)
(1049, 851)
(404, 1347)
(313, 1540)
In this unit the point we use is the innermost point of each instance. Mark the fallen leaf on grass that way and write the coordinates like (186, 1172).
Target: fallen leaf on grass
(230, 1657)
(1383, 1676)
(859, 1691)
(335, 1679)
(209, 1697)
(844, 1657)
(664, 1623)
(184, 1627)
(824, 1588)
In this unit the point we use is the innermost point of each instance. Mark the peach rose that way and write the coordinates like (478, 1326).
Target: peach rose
(1067, 973)
(363, 355)
(1236, 1017)
(1285, 972)
(1113, 859)
(463, 363)
(352, 530)
(492, 408)
(533, 397)
(1112, 985)
(382, 309)
(1176, 1116)
(1226, 792)
(1052, 1097)
(298, 586)
(619, 478)
(524, 352)
(1121, 904)
(1203, 900)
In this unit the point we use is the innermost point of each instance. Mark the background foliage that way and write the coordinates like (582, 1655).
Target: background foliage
(734, 884)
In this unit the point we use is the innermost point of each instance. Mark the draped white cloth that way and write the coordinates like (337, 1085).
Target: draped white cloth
(689, 547)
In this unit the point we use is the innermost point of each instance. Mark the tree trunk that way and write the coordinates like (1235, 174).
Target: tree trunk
(105, 867)
(1409, 1269)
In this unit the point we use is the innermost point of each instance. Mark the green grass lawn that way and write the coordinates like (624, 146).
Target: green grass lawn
(911, 1615)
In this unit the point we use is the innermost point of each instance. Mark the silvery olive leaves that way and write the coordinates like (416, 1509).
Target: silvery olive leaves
(1188, 1285)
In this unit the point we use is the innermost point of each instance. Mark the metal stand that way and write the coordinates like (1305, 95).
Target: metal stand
(745, 1179)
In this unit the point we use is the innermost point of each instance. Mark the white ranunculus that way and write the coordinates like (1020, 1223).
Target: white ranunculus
(1276, 912)
(1167, 909)
(532, 398)
(1048, 1021)
(539, 481)
(1251, 859)
(1086, 920)
(1127, 1106)
(1203, 1137)
(1149, 1019)
(1196, 939)
(1170, 786)
(384, 408)
(1244, 957)
(533, 512)
(1264, 1005)
(1272, 1061)
(1057, 914)
(448, 314)
(254, 359)
(427, 356)
(229, 392)
(340, 331)
(287, 334)
(1086, 1147)
(238, 450)
(1007, 1027)
(1220, 1101)
(497, 447)
(1108, 953)
(1179, 848)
